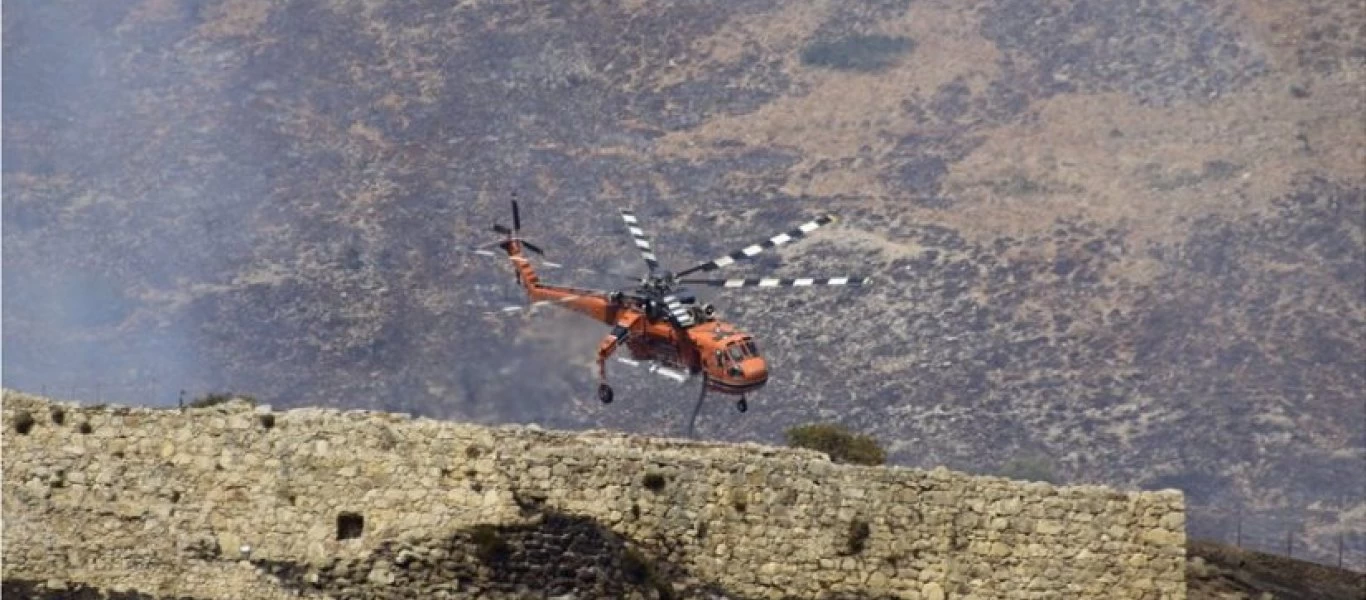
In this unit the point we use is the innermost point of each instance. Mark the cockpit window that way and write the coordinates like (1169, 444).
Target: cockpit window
(751, 348)
(736, 353)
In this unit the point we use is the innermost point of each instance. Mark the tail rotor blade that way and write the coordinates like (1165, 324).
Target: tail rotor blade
(516, 217)
(532, 247)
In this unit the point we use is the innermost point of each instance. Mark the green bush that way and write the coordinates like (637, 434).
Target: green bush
(208, 400)
(842, 445)
(857, 52)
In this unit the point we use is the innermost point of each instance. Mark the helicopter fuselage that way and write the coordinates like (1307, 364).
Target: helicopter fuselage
(661, 323)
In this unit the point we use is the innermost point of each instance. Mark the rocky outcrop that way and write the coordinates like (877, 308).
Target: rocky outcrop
(236, 500)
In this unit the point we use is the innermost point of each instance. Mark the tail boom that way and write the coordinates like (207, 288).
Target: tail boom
(594, 304)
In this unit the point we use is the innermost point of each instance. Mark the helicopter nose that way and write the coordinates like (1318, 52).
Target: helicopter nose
(756, 370)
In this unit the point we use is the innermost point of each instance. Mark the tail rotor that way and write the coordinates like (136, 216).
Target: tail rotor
(513, 234)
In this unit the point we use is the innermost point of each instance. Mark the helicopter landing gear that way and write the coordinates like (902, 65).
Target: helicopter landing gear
(605, 349)
(741, 405)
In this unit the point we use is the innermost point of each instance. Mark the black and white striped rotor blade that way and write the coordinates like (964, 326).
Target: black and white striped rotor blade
(779, 281)
(642, 241)
(750, 251)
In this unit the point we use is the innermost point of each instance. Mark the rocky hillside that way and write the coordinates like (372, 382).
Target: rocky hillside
(1218, 571)
(1121, 239)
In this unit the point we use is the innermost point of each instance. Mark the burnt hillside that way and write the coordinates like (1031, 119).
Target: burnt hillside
(1123, 240)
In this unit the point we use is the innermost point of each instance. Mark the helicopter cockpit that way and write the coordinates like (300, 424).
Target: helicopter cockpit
(740, 358)
(738, 350)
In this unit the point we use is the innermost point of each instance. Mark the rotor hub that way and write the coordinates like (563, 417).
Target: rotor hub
(659, 282)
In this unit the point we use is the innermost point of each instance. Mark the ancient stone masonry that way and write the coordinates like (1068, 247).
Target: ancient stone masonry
(238, 501)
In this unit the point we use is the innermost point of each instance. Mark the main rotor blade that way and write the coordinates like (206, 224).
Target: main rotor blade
(779, 281)
(642, 242)
(773, 242)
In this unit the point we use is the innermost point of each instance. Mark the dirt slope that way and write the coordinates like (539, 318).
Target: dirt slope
(1221, 572)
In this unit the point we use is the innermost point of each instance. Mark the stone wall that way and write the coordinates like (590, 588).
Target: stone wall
(236, 501)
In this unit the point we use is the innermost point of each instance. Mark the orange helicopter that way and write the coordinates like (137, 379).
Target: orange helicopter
(659, 321)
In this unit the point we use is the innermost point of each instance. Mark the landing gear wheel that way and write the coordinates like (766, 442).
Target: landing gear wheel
(741, 405)
(605, 393)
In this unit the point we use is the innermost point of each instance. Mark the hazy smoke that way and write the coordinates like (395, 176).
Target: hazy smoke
(107, 222)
